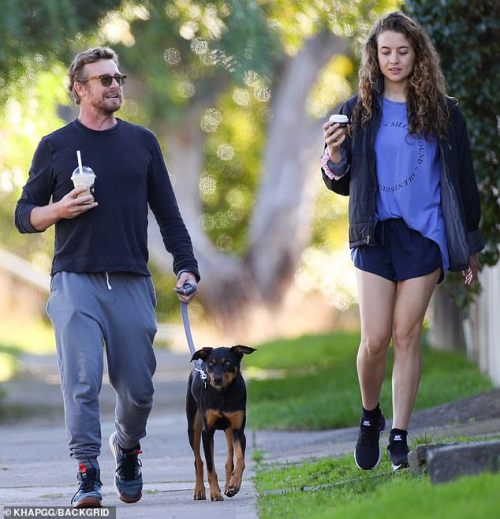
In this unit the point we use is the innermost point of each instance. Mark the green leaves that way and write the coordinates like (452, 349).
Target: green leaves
(467, 37)
(195, 50)
(33, 33)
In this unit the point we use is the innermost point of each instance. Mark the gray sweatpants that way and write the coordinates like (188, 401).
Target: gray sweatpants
(97, 312)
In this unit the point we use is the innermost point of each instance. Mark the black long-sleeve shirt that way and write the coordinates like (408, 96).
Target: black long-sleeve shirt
(130, 174)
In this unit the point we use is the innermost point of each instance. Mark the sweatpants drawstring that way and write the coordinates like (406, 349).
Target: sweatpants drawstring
(107, 281)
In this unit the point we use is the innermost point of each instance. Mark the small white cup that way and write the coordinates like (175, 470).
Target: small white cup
(341, 119)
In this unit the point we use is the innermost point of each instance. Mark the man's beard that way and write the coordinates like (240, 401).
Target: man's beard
(107, 108)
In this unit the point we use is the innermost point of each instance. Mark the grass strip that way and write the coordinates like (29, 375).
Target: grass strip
(311, 382)
(336, 488)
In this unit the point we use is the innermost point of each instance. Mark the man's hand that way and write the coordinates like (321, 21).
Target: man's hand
(186, 278)
(72, 205)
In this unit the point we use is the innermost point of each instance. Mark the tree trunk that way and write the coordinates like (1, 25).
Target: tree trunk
(232, 287)
(281, 222)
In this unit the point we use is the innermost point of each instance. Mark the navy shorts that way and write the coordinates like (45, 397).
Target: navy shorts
(400, 253)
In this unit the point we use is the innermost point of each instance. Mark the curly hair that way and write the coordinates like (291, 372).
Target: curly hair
(426, 105)
(82, 59)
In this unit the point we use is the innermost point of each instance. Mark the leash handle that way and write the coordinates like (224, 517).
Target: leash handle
(186, 290)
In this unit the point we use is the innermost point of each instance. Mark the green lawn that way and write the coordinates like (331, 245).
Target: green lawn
(18, 337)
(336, 488)
(311, 382)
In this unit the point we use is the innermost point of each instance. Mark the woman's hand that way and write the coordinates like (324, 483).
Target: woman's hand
(334, 135)
(470, 273)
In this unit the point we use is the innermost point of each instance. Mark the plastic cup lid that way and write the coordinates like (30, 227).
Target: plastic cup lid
(339, 118)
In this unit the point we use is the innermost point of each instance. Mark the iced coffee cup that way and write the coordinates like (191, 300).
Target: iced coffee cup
(341, 119)
(84, 177)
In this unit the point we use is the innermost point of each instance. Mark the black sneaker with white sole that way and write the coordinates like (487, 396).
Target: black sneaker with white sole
(398, 449)
(367, 453)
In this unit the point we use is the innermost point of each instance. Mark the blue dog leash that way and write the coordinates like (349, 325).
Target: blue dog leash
(187, 289)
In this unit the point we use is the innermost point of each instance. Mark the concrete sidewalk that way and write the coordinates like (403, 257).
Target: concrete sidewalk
(35, 468)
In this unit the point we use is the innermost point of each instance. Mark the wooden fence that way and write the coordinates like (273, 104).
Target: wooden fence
(482, 326)
(23, 289)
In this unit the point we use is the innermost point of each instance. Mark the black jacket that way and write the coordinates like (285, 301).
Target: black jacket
(459, 192)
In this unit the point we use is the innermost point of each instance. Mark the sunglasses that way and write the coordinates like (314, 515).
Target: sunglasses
(107, 79)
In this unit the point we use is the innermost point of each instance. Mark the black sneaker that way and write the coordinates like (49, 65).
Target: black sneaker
(398, 449)
(367, 454)
(89, 493)
(128, 476)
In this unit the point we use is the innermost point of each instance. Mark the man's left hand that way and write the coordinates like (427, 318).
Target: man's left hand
(183, 279)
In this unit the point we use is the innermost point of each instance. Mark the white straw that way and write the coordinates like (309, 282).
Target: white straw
(79, 157)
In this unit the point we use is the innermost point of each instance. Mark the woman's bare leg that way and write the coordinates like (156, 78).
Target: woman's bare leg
(376, 303)
(412, 300)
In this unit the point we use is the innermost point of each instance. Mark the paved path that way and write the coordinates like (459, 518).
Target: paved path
(35, 468)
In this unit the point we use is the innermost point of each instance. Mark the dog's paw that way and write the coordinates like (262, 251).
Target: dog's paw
(216, 497)
(231, 491)
(199, 494)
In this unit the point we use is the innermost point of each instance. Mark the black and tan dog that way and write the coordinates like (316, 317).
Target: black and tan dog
(218, 402)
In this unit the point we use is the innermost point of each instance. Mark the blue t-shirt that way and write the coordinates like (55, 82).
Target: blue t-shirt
(408, 173)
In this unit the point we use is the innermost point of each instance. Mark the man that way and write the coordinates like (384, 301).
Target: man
(101, 295)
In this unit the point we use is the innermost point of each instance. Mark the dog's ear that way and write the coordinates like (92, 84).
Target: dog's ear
(202, 354)
(239, 350)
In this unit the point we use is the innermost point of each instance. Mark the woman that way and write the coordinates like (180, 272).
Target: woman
(414, 213)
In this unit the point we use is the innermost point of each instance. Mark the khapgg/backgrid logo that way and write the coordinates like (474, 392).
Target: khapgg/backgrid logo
(42, 512)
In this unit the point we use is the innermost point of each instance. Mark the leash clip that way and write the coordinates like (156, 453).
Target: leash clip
(201, 371)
